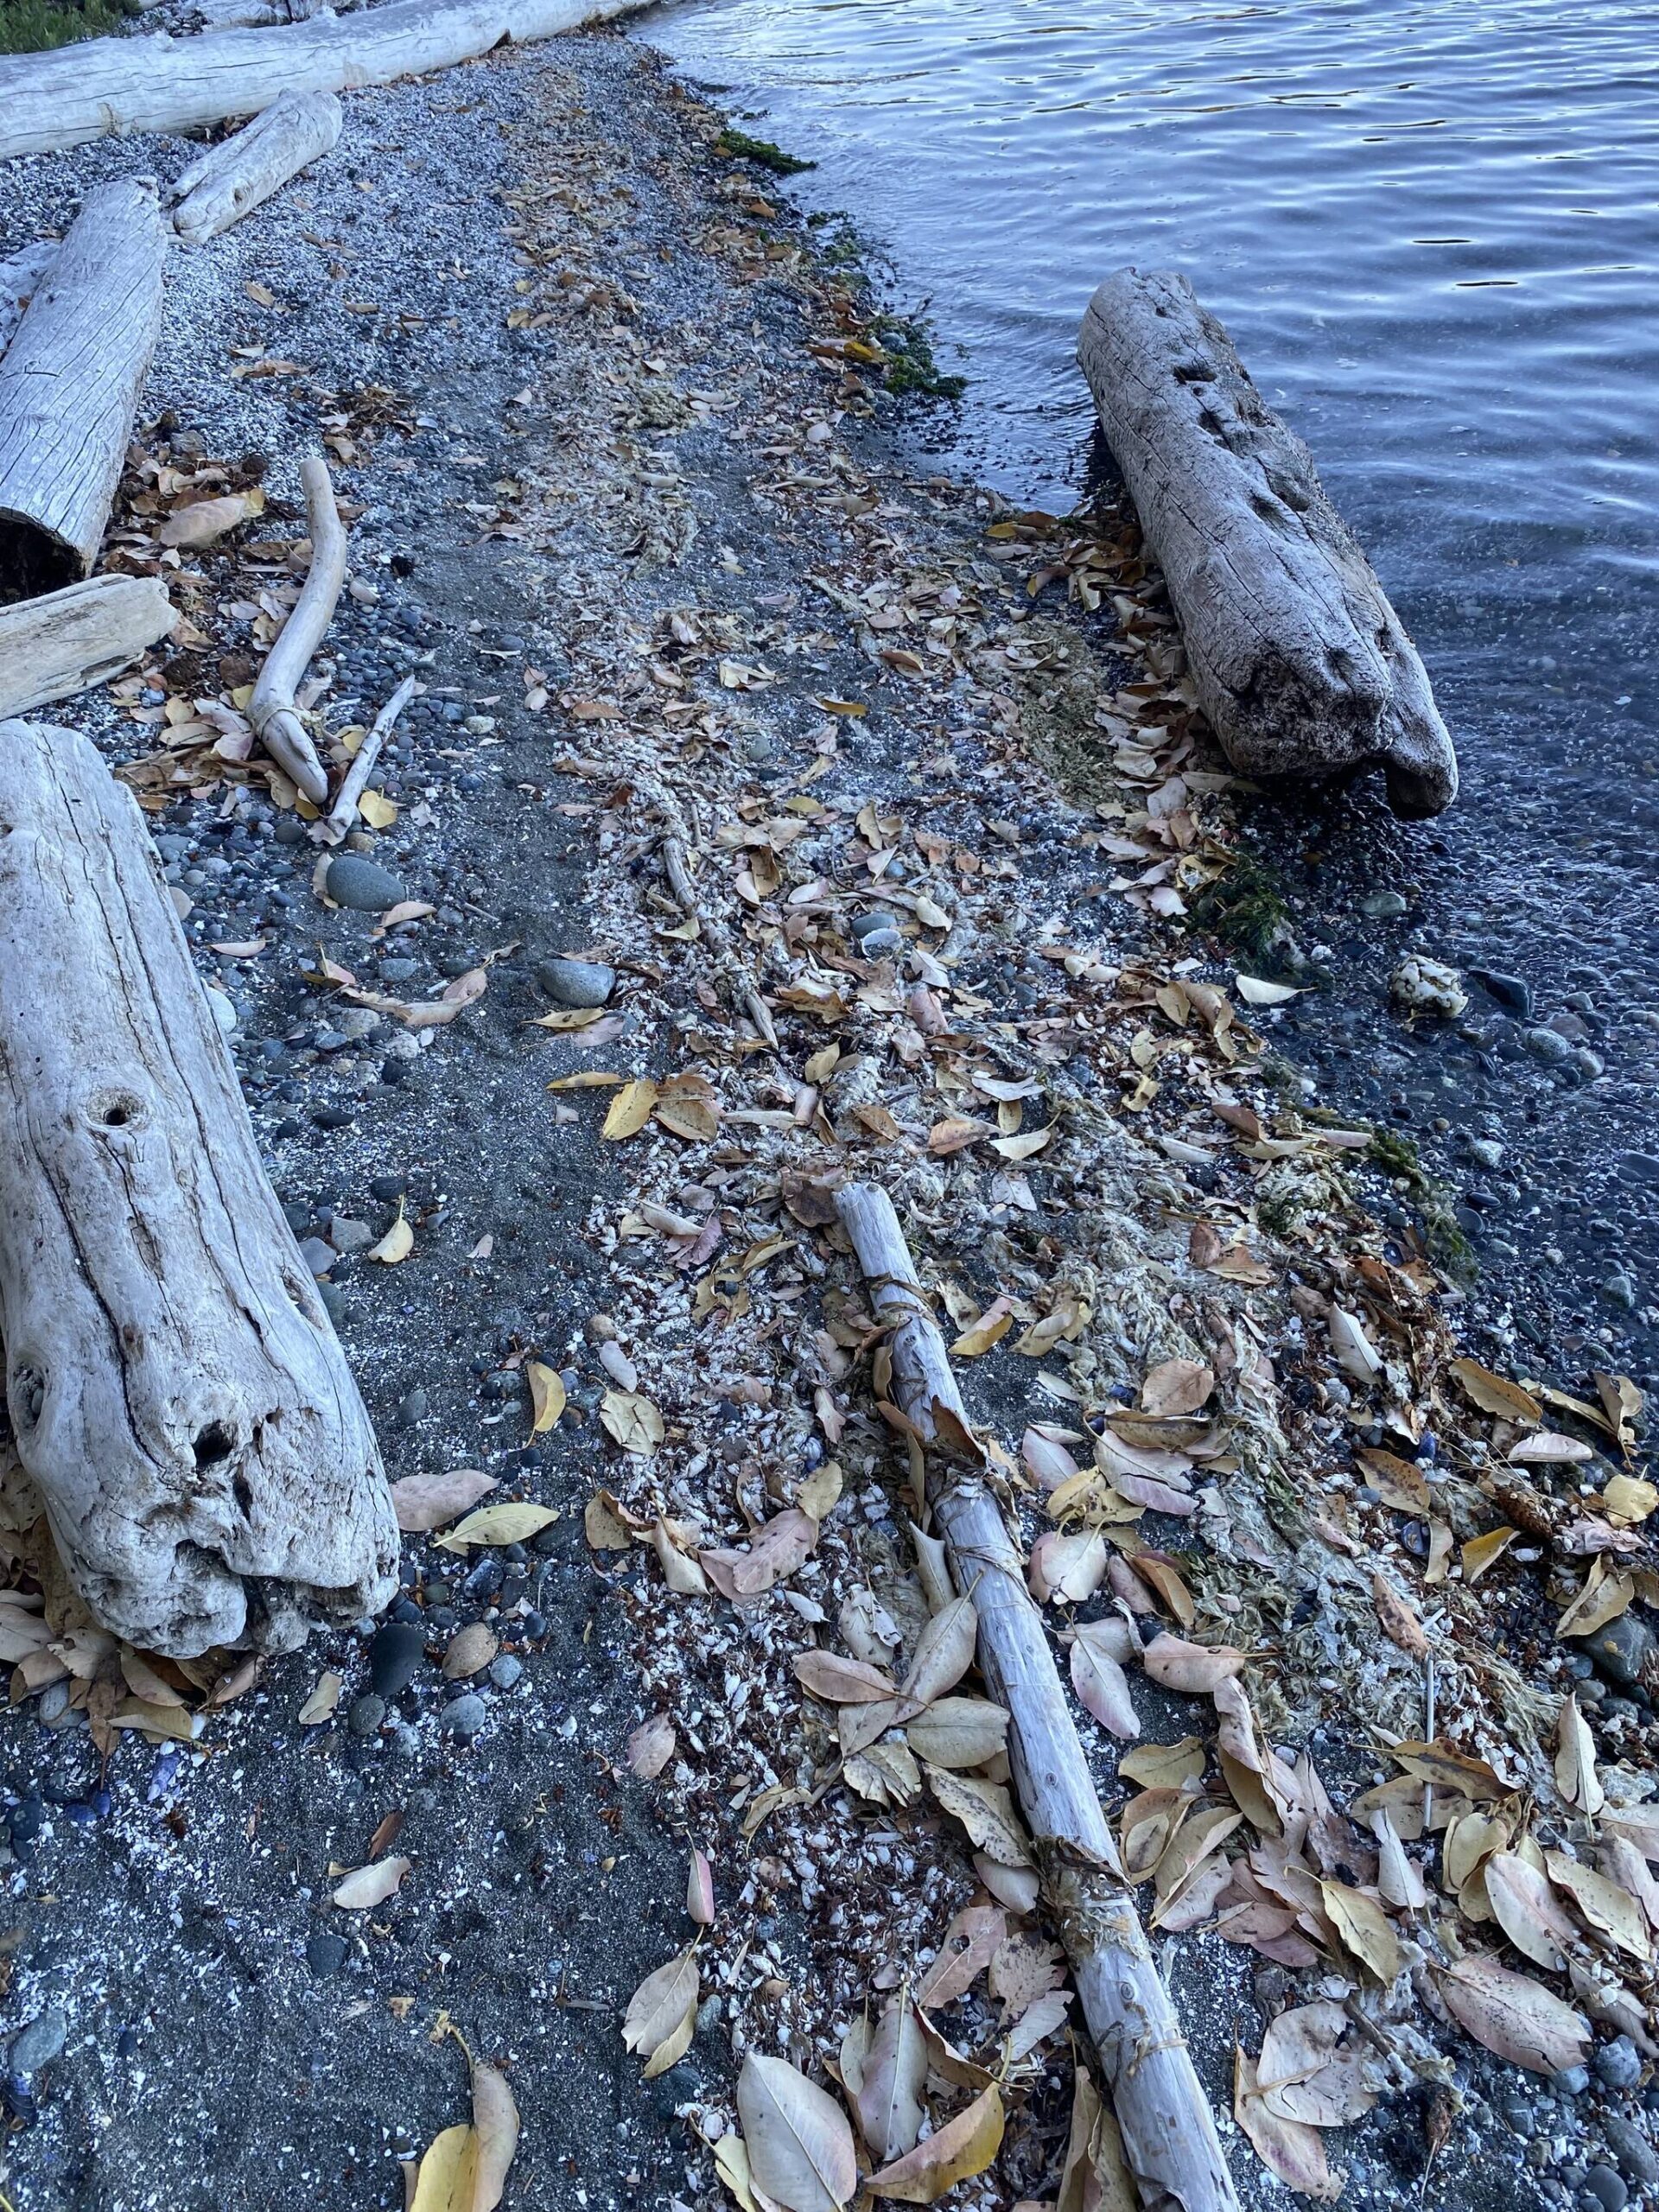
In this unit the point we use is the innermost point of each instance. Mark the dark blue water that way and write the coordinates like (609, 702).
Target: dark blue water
(1433, 229)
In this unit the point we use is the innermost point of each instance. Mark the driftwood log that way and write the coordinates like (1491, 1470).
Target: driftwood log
(20, 279)
(69, 385)
(1300, 662)
(175, 1389)
(1169, 2133)
(220, 186)
(110, 87)
(53, 647)
(272, 710)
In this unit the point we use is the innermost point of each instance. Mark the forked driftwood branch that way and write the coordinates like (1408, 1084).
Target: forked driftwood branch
(342, 815)
(272, 710)
(175, 1391)
(1169, 2132)
(1301, 665)
(66, 642)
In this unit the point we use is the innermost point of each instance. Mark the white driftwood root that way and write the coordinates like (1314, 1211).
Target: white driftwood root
(175, 1392)
(1300, 662)
(53, 647)
(221, 185)
(342, 815)
(20, 279)
(271, 711)
(1169, 2132)
(69, 385)
(111, 87)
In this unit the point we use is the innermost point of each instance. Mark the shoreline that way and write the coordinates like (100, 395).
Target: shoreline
(624, 496)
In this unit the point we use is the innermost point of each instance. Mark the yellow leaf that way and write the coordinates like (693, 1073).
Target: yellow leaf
(1629, 1499)
(631, 1418)
(630, 1110)
(990, 1329)
(1363, 1927)
(377, 809)
(509, 1524)
(1482, 1552)
(546, 1395)
(396, 1245)
(964, 2146)
(589, 1079)
(1493, 1395)
(574, 1017)
(1022, 1148)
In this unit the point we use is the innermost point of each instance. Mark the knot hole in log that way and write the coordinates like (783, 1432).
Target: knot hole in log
(26, 1396)
(116, 1109)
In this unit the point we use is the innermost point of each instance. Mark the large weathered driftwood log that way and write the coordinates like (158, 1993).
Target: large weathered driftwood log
(20, 279)
(53, 647)
(69, 383)
(272, 709)
(1169, 2132)
(108, 87)
(221, 185)
(1300, 663)
(175, 1392)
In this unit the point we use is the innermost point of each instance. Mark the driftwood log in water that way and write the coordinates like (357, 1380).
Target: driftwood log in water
(221, 185)
(175, 1392)
(69, 385)
(1298, 660)
(1170, 2140)
(110, 87)
(66, 642)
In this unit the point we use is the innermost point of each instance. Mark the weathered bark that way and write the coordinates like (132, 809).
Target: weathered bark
(1300, 662)
(272, 709)
(221, 187)
(1169, 2132)
(69, 385)
(110, 87)
(175, 1392)
(53, 647)
(20, 279)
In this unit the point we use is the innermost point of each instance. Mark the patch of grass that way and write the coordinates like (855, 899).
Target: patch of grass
(760, 152)
(32, 25)
(911, 367)
(1245, 908)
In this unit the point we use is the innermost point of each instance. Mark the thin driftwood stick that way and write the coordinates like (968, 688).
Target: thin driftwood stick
(1169, 2131)
(221, 185)
(112, 87)
(69, 386)
(175, 1390)
(66, 642)
(272, 710)
(343, 813)
(677, 867)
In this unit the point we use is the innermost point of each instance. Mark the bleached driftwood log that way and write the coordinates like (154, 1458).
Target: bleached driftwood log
(20, 279)
(69, 385)
(221, 185)
(1300, 662)
(1169, 2132)
(253, 14)
(53, 647)
(175, 1391)
(272, 709)
(108, 87)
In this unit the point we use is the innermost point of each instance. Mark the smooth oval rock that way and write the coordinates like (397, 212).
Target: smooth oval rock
(464, 1716)
(362, 885)
(395, 1655)
(577, 982)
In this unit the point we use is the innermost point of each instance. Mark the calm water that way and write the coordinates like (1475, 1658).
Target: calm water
(1433, 229)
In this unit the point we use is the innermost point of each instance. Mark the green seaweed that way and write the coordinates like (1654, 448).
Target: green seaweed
(1245, 908)
(1396, 1155)
(760, 152)
(912, 365)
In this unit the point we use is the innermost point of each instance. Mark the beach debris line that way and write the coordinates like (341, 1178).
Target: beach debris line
(69, 386)
(66, 641)
(179, 1404)
(220, 186)
(117, 86)
(1300, 663)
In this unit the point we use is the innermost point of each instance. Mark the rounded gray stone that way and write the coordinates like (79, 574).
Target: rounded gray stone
(1607, 2189)
(577, 982)
(1382, 905)
(1550, 1047)
(362, 885)
(40, 2041)
(506, 1670)
(1620, 1650)
(1630, 2148)
(464, 1716)
(1618, 2064)
(366, 1714)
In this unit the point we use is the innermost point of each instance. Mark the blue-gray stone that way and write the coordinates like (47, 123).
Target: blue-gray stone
(361, 884)
(395, 1656)
(464, 1716)
(506, 1670)
(325, 1952)
(1606, 2189)
(366, 1714)
(577, 982)
(40, 2041)
(1618, 2064)
(1550, 1047)
(1630, 2148)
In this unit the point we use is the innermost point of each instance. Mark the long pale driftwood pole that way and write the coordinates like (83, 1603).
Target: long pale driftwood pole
(175, 1392)
(53, 647)
(20, 279)
(342, 815)
(111, 87)
(272, 710)
(69, 385)
(1300, 662)
(221, 185)
(1168, 2130)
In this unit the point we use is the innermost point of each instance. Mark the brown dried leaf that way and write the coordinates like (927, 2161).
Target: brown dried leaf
(964, 2146)
(1512, 2015)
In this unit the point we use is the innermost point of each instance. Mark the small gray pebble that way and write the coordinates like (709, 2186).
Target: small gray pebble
(1618, 2064)
(1620, 1290)
(506, 1670)
(347, 1235)
(366, 1714)
(317, 1256)
(1382, 905)
(395, 1656)
(412, 1410)
(1550, 1047)
(577, 982)
(325, 1952)
(40, 2041)
(1571, 2081)
(1603, 2187)
(464, 1716)
(1621, 1650)
(361, 884)
(872, 924)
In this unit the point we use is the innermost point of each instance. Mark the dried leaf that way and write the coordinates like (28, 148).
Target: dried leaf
(424, 1502)
(662, 2014)
(1288, 2148)
(1482, 1552)
(888, 2096)
(970, 1943)
(632, 1420)
(396, 1245)
(651, 1746)
(842, 1681)
(469, 1651)
(787, 1539)
(799, 2141)
(1575, 1760)
(964, 2146)
(944, 1651)
(990, 1329)
(629, 1110)
(1196, 1668)
(513, 1522)
(1176, 1386)
(1163, 1766)
(1312, 2067)
(546, 1395)
(1397, 1620)
(1508, 1401)
(1607, 1907)
(1526, 1909)
(959, 1732)
(1512, 2015)
(1098, 1678)
(1363, 1927)
(700, 1890)
(986, 1811)
(321, 1705)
